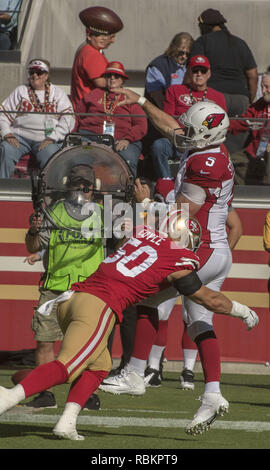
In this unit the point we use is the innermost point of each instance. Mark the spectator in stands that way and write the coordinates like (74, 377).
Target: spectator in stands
(90, 63)
(41, 134)
(68, 257)
(167, 69)
(233, 67)
(127, 131)
(252, 165)
(163, 71)
(9, 10)
(178, 99)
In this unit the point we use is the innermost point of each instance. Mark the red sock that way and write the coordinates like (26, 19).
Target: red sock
(43, 377)
(85, 385)
(210, 359)
(187, 342)
(162, 334)
(145, 335)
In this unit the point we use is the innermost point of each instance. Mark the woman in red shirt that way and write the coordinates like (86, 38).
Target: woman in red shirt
(127, 130)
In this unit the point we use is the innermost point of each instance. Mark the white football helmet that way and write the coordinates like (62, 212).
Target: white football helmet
(204, 124)
(184, 230)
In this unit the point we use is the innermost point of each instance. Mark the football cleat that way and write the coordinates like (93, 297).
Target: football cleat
(93, 403)
(187, 380)
(213, 406)
(6, 400)
(152, 377)
(45, 399)
(128, 381)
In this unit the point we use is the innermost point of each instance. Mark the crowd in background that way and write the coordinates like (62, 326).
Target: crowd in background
(218, 66)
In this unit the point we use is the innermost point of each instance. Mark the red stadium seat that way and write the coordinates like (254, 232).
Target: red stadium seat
(24, 166)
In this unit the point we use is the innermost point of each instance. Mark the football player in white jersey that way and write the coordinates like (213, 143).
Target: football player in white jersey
(205, 181)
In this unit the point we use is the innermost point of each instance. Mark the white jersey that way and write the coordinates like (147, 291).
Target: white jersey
(32, 126)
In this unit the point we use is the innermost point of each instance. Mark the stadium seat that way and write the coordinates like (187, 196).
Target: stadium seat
(24, 166)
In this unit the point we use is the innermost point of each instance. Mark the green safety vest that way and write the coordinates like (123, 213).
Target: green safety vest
(72, 256)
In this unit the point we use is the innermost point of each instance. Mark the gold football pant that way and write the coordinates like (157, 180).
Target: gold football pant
(86, 322)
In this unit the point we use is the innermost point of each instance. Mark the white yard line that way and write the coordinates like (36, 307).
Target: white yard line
(27, 417)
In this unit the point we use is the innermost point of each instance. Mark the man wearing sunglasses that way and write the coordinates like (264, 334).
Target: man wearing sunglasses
(178, 99)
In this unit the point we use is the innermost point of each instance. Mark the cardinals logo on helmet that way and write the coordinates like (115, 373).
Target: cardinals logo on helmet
(213, 120)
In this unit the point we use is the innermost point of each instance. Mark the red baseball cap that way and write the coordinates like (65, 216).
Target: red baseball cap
(117, 68)
(199, 61)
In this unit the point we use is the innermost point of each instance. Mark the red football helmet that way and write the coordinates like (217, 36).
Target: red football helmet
(183, 229)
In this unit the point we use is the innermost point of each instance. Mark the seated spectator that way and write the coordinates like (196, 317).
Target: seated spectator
(252, 165)
(41, 134)
(8, 23)
(127, 131)
(163, 71)
(178, 100)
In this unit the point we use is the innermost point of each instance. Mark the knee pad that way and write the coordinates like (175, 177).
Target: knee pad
(199, 328)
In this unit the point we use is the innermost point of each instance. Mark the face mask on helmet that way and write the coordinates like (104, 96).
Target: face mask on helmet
(183, 230)
(204, 124)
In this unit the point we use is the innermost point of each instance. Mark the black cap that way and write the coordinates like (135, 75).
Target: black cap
(83, 172)
(211, 17)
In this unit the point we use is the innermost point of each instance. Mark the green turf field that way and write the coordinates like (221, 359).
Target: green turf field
(155, 420)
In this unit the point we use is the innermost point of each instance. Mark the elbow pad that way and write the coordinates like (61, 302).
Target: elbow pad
(189, 284)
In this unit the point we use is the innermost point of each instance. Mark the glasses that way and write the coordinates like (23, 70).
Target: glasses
(181, 53)
(38, 72)
(199, 69)
(110, 75)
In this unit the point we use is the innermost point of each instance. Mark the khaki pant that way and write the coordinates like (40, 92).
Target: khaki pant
(86, 322)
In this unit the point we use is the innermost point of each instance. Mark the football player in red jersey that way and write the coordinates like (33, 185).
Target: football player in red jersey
(205, 181)
(144, 264)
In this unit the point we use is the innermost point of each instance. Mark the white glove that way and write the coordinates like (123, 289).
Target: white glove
(249, 317)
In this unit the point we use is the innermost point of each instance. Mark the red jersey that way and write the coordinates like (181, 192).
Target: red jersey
(88, 65)
(137, 270)
(213, 171)
(179, 99)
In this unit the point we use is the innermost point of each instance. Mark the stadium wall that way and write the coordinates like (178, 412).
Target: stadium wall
(246, 283)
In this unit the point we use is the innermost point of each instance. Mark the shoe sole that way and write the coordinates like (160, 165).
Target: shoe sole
(205, 425)
(68, 436)
(187, 386)
(120, 392)
(150, 385)
(38, 407)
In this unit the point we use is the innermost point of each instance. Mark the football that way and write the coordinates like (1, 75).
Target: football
(101, 19)
(19, 375)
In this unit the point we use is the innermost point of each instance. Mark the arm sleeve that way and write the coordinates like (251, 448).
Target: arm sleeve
(154, 80)
(65, 124)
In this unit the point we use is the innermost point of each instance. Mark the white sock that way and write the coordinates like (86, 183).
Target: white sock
(17, 393)
(68, 420)
(155, 356)
(190, 356)
(137, 365)
(212, 387)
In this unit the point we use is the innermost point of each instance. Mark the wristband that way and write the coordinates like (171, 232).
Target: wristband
(141, 100)
(239, 310)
